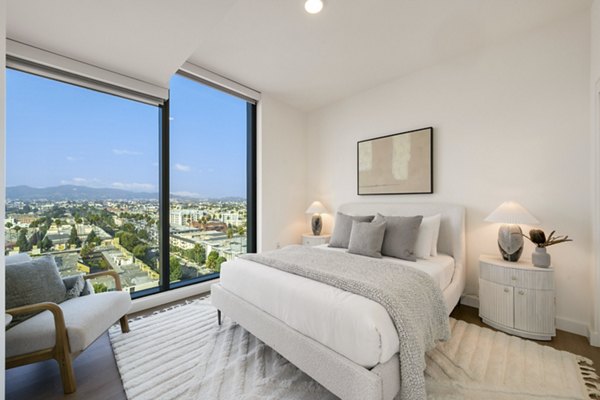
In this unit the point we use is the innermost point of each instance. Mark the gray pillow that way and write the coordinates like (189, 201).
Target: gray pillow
(366, 238)
(343, 227)
(400, 236)
(17, 258)
(31, 282)
(74, 285)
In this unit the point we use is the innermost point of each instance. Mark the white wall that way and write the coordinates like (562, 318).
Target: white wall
(281, 174)
(595, 182)
(510, 123)
(2, 169)
(595, 43)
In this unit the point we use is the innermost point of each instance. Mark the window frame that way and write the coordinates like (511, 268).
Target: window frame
(164, 284)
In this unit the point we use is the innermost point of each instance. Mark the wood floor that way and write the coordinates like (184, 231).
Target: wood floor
(98, 377)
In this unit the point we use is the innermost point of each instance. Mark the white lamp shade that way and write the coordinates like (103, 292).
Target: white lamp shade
(510, 212)
(316, 208)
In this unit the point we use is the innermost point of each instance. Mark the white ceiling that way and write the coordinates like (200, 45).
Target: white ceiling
(145, 39)
(274, 46)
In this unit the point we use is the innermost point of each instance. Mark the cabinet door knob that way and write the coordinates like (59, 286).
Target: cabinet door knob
(521, 292)
(514, 278)
(506, 290)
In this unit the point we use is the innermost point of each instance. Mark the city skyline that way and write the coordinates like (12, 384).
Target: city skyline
(46, 146)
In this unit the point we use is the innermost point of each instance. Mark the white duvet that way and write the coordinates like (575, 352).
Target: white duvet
(352, 325)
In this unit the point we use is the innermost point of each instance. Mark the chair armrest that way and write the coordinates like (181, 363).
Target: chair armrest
(59, 319)
(114, 274)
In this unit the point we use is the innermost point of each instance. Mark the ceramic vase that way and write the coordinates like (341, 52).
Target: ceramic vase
(540, 258)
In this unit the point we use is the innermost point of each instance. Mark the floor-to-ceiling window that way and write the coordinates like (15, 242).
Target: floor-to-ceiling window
(82, 179)
(208, 178)
(90, 183)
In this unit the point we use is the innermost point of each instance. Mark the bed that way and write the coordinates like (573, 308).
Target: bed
(355, 360)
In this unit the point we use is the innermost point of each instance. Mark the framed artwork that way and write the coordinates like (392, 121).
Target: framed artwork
(401, 163)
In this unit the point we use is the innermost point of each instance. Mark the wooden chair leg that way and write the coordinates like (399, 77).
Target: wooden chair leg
(67, 375)
(124, 324)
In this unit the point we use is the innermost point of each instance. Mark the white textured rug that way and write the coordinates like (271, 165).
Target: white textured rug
(182, 353)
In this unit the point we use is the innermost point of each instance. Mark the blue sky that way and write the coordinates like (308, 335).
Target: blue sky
(62, 134)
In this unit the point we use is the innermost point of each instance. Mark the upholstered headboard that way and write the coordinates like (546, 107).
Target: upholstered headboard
(452, 230)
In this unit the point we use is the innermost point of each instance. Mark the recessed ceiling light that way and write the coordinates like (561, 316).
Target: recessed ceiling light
(313, 6)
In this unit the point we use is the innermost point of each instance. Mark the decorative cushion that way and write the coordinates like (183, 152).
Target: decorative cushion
(74, 285)
(86, 318)
(400, 236)
(17, 258)
(366, 238)
(31, 282)
(427, 237)
(343, 227)
(88, 288)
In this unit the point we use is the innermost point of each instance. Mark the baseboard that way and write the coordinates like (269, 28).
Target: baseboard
(159, 299)
(594, 337)
(576, 327)
(470, 300)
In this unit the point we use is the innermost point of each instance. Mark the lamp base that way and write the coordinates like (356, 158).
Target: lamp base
(510, 242)
(316, 224)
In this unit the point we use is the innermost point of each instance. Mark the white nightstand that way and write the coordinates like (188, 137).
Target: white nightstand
(308, 239)
(517, 297)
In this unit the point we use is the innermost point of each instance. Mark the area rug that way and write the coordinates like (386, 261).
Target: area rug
(181, 353)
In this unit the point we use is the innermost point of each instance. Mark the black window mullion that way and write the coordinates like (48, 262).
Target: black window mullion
(251, 178)
(164, 198)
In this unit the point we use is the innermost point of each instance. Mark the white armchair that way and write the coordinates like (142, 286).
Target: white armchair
(62, 331)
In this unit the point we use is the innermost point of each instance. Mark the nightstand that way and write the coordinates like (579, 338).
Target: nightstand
(517, 298)
(308, 239)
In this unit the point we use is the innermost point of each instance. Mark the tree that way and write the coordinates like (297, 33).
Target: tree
(218, 263)
(58, 224)
(199, 254)
(211, 260)
(127, 227)
(99, 287)
(128, 240)
(35, 239)
(86, 250)
(8, 225)
(78, 220)
(104, 264)
(229, 233)
(140, 250)
(241, 230)
(174, 269)
(22, 241)
(143, 234)
(93, 239)
(73, 238)
(46, 244)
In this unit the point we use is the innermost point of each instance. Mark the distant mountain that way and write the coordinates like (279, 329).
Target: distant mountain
(73, 193)
(83, 193)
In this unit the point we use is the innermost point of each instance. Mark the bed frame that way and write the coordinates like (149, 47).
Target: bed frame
(338, 374)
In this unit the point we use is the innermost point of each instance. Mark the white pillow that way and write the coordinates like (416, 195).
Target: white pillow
(436, 234)
(428, 235)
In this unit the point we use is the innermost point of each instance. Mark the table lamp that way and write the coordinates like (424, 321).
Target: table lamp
(510, 236)
(316, 209)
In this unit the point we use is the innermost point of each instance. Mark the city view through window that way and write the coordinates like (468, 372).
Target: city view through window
(83, 180)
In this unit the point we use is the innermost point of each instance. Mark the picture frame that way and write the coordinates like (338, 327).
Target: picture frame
(400, 163)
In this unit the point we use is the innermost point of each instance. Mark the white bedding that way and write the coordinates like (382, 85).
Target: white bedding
(352, 325)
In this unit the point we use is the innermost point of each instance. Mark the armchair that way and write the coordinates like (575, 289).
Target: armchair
(62, 331)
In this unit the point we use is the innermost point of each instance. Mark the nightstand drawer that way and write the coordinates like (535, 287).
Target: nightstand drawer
(311, 240)
(521, 278)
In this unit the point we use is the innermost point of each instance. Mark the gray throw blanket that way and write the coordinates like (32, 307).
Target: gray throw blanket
(412, 299)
